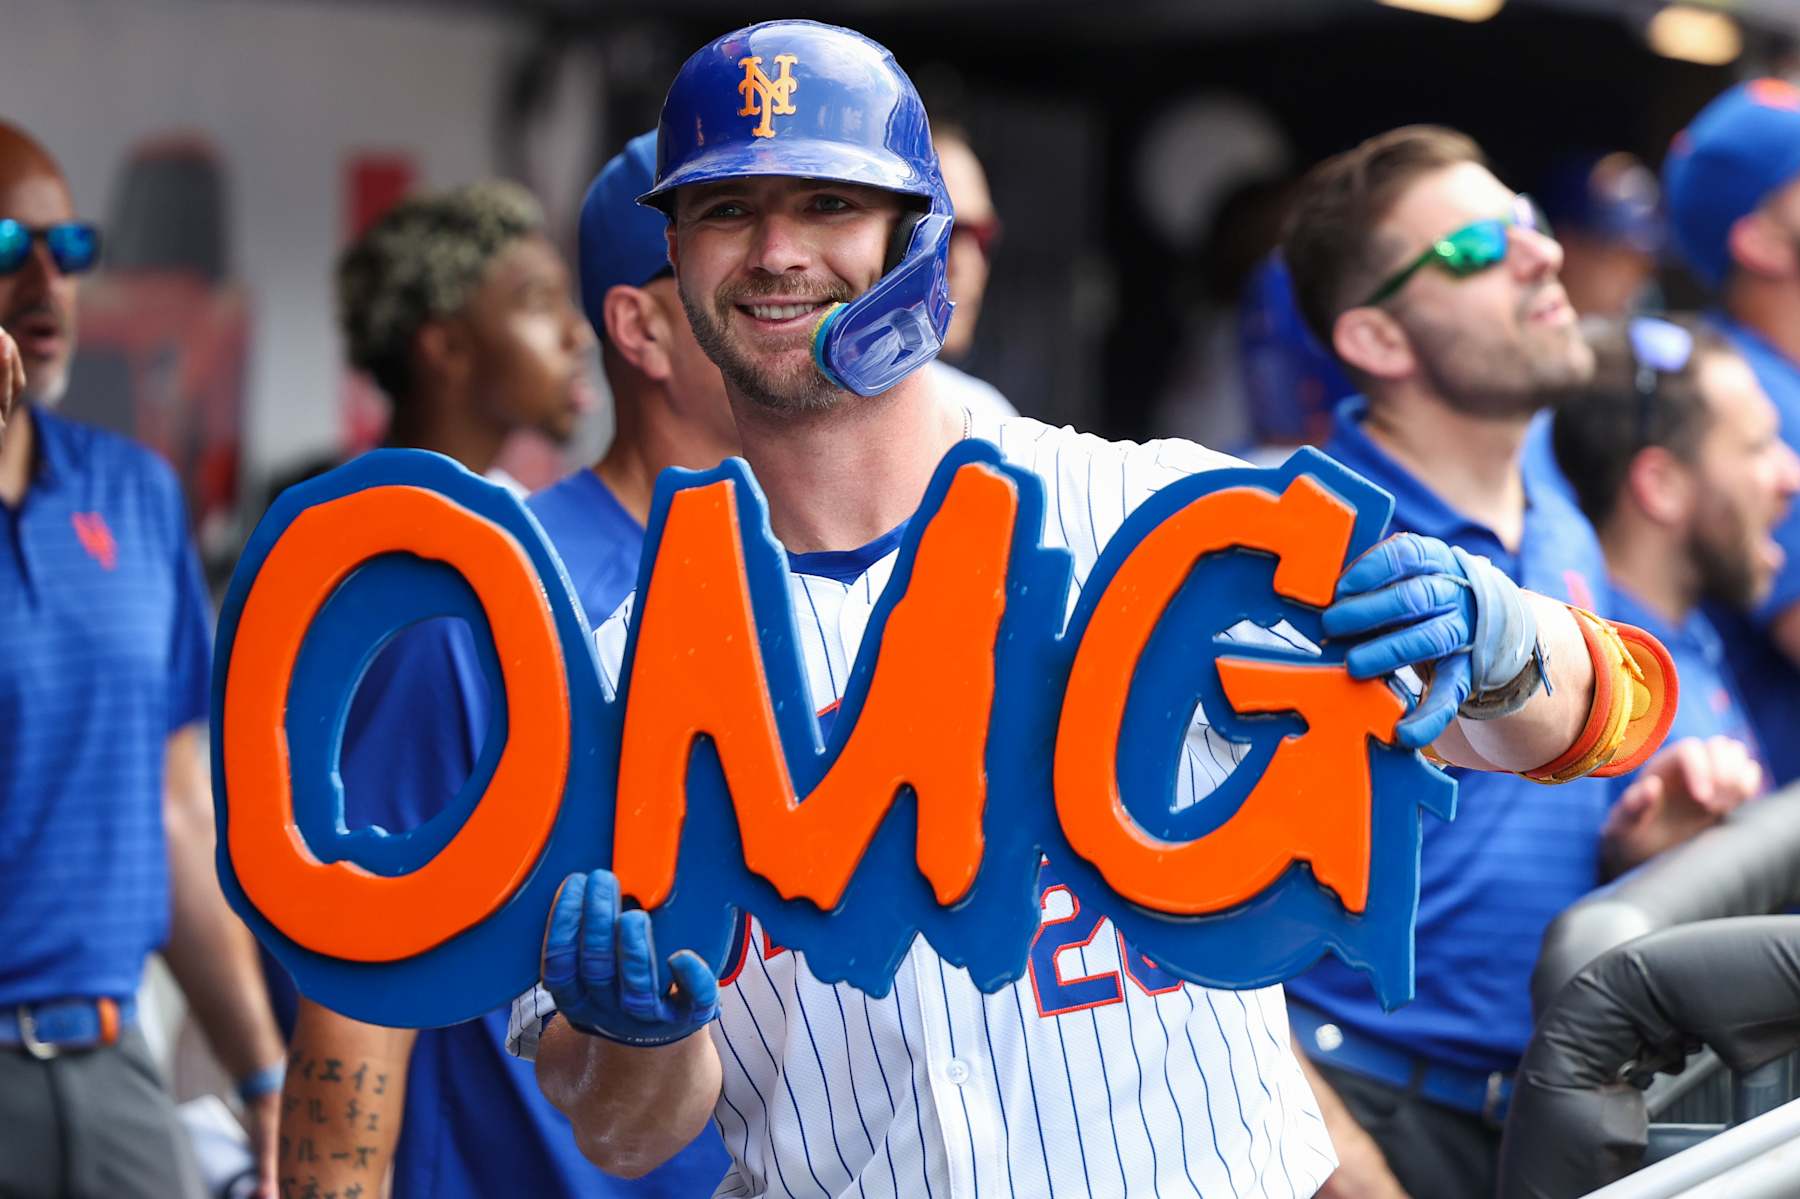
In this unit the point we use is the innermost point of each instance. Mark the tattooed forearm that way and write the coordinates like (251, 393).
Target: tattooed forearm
(340, 1118)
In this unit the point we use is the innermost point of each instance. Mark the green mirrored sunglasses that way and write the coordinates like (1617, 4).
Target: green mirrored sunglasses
(1473, 248)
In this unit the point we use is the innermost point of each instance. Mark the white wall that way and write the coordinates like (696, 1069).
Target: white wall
(285, 90)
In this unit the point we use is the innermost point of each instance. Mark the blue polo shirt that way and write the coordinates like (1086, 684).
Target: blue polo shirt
(1768, 682)
(1517, 853)
(475, 1123)
(1710, 705)
(104, 652)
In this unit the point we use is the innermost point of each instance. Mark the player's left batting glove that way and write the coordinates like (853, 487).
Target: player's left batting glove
(1415, 601)
(599, 966)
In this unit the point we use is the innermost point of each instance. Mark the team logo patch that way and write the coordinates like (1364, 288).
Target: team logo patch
(96, 538)
(983, 730)
(1775, 93)
(765, 98)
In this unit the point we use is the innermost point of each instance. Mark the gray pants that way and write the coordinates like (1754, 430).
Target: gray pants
(91, 1123)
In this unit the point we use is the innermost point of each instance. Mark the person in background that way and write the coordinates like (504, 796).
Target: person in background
(457, 305)
(1292, 384)
(106, 817)
(1675, 455)
(1604, 208)
(972, 243)
(1731, 186)
(1436, 286)
(457, 1116)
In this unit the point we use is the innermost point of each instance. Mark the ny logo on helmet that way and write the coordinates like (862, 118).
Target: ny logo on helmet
(767, 98)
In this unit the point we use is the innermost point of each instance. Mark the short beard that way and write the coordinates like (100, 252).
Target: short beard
(1727, 574)
(1495, 381)
(801, 391)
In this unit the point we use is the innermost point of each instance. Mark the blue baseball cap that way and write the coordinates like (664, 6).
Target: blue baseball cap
(1612, 197)
(622, 242)
(1291, 381)
(1741, 147)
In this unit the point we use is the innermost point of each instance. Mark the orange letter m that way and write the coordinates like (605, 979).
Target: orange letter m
(698, 671)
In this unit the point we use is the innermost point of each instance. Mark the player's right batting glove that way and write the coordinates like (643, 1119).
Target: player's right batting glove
(599, 966)
(1416, 601)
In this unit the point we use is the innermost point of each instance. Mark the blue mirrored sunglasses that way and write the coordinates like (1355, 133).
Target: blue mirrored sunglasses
(74, 245)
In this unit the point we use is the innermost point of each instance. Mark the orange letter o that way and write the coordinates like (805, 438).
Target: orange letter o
(339, 909)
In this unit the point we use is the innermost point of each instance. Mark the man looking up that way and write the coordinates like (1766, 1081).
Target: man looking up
(106, 822)
(455, 1114)
(795, 255)
(1436, 286)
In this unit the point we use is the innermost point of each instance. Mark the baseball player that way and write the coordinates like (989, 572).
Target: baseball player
(807, 217)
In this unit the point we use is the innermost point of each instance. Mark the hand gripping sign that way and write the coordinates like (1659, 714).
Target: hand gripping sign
(976, 738)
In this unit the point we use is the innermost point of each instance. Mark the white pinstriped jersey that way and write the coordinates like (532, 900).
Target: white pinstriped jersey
(1094, 1074)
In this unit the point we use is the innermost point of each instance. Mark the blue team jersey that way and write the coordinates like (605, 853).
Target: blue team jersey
(1518, 852)
(104, 652)
(1768, 682)
(1710, 703)
(475, 1123)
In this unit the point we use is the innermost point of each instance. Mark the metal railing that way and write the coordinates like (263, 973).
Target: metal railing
(1634, 983)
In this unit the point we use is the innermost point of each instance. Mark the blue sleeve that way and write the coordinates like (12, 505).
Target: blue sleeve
(190, 632)
(415, 729)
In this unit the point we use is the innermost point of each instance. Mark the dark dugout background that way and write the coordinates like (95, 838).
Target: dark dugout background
(1090, 303)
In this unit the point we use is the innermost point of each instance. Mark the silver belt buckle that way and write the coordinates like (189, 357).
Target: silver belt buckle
(1490, 1104)
(43, 1051)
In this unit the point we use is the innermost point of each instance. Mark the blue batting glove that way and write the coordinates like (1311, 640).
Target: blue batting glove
(1415, 601)
(599, 965)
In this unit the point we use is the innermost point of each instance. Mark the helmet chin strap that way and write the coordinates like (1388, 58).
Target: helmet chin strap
(827, 317)
(894, 328)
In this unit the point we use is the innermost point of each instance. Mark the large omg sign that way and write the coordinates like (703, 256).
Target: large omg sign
(983, 732)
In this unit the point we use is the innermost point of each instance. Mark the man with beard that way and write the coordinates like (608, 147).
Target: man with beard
(1436, 286)
(106, 821)
(1731, 184)
(803, 233)
(455, 1114)
(1675, 455)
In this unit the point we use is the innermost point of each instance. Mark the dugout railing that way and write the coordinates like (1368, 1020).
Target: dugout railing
(1668, 1019)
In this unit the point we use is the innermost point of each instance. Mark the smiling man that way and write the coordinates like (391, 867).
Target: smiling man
(809, 228)
(1436, 286)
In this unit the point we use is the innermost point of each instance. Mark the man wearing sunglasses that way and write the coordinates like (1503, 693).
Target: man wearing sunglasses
(1436, 286)
(1675, 454)
(106, 822)
(73, 247)
(1731, 184)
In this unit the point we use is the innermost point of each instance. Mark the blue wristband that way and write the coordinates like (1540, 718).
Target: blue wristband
(266, 1081)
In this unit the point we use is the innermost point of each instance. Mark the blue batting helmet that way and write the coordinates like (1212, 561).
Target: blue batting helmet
(819, 102)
